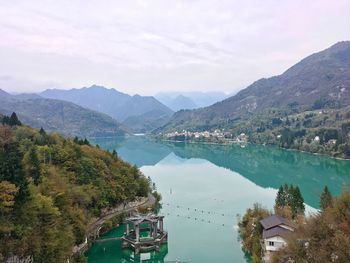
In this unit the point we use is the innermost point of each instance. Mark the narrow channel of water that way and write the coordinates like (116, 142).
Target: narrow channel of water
(206, 187)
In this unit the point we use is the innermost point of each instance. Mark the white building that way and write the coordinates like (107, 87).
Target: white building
(276, 228)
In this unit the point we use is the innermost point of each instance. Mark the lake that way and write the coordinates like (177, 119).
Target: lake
(205, 188)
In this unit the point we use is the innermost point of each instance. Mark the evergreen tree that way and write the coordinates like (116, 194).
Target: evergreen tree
(290, 196)
(86, 142)
(286, 194)
(326, 198)
(42, 131)
(11, 169)
(280, 200)
(14, 121)
(6, 120)
(297, 202)
(114, 153)
(34, 165)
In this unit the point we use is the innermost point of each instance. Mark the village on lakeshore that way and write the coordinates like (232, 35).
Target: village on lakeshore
(219, 136)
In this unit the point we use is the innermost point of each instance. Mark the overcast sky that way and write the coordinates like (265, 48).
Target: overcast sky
(150, 46)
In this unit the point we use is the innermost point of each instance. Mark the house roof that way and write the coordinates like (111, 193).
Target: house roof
(273, 221)
(275, 231)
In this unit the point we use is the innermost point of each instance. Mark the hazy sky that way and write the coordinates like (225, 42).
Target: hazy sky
(150, 46)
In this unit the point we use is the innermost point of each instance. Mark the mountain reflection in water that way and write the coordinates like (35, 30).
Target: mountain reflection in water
(266, 166)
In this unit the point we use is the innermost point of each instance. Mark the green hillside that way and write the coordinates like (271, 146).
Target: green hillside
(51, 187)
(61, 116)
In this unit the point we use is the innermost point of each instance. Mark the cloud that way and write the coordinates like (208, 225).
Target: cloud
(150, 46)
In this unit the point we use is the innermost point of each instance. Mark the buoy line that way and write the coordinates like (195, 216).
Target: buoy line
(200, 220)
(223, 214)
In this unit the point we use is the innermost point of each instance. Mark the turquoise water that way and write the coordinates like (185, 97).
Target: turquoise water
(206, 187)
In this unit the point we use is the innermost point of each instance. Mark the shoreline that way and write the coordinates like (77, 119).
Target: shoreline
(270, 145)
(96, 224)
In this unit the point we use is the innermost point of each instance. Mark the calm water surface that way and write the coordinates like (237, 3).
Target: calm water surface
(206, 187)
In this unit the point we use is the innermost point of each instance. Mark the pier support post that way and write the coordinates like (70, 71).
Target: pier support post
(155, 230)
(137, 232)
(161, 224)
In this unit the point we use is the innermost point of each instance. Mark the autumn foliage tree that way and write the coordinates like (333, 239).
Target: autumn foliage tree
(250, 230)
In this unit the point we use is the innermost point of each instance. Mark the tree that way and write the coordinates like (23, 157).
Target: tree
(326, 199)
(42, 131)
(6, 120)
(14, 121)
(8, 193)
(324, 237)
(280, 200)
(297, 201)
(33, 169)
(86, 142)
(289, 197)
(11, 169)
(250, 230)
(50, 236)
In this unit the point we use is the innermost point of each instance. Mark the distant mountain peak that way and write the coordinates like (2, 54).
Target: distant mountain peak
(98, 87)
(116, 104)
(177, 100)
(4, 93)
(341, 44)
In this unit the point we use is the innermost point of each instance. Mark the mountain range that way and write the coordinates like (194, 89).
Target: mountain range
(58, 115)
(189, 100)
(321, 80)
(139, 113)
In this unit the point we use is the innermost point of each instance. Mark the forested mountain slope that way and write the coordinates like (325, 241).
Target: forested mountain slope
(321, 80)
(51, 187)
(57, 115)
